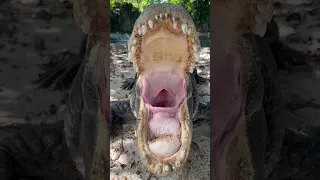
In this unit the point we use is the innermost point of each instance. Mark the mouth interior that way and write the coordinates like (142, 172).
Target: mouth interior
(163, 93)
(163, 99)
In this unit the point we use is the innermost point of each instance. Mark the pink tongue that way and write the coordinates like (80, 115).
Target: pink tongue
(163, 124)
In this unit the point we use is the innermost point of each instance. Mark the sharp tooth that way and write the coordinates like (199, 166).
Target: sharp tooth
(160, 15)
(175, 24)
(177, 163)
(129, 56)
(196, 56)
(166, 15)
(184, 28)
(139, 31)
(190, 71)
(150, 23)
(173, 19)
(143, 29)
(156, 17)
(158, 168)
(134, 41)
(166, 168)
(194, 47)
(189, 31)
(151, 165)
(133, 49)
(192, 40)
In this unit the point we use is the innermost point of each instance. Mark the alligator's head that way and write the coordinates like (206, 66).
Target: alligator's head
(164, 47)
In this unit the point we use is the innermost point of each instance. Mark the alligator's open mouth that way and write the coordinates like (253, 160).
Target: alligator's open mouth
(166, 132)
(164, 45)
(164, 127)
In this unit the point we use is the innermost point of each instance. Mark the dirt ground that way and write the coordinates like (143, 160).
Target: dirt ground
(33, 34)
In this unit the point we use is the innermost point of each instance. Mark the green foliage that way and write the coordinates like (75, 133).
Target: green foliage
(200, 13)
(125, 12)
(123, 17)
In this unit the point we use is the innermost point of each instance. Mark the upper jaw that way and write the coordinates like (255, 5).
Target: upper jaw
(167, 30)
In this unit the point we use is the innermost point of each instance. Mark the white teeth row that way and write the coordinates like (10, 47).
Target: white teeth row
(162, 168)
(143, 29)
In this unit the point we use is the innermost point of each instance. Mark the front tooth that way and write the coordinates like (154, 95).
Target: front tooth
(160, 15)
(192, 40)
(184, 28)
(166, 168)
(191, 68)
(156, 17)
(166, 15)
(134, 41)
(143, 29)
(177, 163)
(194, 47)
(175, 24)
(158, 168)
(139, 31)
(196, 56)
(189, 31)
(133, 49)
(173, 19)
(150, 22)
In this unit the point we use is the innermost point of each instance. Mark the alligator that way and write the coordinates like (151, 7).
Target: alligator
(246, 136)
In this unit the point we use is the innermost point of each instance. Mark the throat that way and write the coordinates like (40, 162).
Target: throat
(163, 99)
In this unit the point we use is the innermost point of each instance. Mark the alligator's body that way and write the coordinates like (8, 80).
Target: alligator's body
(246, 67)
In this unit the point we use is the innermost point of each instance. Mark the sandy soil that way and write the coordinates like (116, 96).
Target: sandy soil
(35, 34)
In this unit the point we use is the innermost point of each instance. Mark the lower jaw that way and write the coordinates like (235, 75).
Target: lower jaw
(167, 165)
